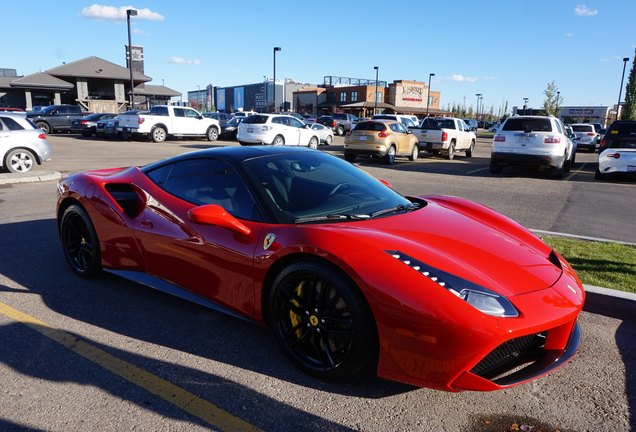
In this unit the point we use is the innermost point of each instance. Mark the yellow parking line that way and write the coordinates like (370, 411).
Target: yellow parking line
(175, 395)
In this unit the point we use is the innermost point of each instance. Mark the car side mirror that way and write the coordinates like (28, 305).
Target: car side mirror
(214, 214)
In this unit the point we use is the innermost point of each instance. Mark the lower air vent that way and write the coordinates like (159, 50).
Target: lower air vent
(511, 355)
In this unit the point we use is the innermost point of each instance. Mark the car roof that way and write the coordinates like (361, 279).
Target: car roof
(17, 114)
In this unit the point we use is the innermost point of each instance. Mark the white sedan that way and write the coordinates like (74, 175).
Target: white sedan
(620, 157)
(325, 134)
(276, 129)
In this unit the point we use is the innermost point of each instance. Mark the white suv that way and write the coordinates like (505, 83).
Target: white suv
(276, 129)
(537, 141)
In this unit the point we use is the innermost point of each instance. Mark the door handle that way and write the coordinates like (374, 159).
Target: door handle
(146, 224)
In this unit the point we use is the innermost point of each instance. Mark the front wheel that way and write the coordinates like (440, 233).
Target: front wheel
(313, 143)
(329, 139)
(19, 161)
(321, 320)
(340, 130)
(471, 149)
(350, 157)
(212, 134)
(80, 242)
(159, 134)
(495, 168)
(414, 153)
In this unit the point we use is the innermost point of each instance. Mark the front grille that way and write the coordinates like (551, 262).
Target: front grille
(511, 355)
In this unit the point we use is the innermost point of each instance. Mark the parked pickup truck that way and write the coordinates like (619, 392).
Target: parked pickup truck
(55, 118)
(163, 121)
(445, 136)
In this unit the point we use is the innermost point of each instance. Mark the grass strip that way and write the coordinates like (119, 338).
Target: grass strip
(604, 264)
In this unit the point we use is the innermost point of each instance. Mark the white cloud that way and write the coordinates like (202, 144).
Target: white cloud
(584, 11)
(181, 60)
(139, 32)
(113, 13)
(568, 34)
(609, 59)
(462, 78)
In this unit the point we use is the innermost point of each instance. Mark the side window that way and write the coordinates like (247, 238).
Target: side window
(295, 122)
(558, 125)
(277, 120)
(401, 128)
(179, 112)
(210, 181)
(62, 110)
(191, 113)
(11, 124)
(460, 125)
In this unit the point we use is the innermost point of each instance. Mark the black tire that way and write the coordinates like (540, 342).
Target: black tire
(212, 134)
(329, 140)
(79, 242)
(495, 168)
(557, 172)
(87, 134)
(44, 126)
(20, 161)
(414, 153)
(322, 321)
(313, 143)
(350, 157)
(278, 140)
(158, 134)
(471, 149)
(599, 176)
(450, 153)
(389, 159)
(340, 130)
(243, 143)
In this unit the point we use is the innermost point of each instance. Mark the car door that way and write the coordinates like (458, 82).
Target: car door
(402, 138)
(303, 133)
(463, 138)
(210, 260)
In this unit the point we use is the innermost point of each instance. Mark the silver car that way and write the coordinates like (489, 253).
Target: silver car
(22, 144)
(585, 135)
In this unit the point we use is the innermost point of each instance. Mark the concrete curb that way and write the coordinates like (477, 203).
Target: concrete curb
(579, 237)
(610, 292)
(30, 177)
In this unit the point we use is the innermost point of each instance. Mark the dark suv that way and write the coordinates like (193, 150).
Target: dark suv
(56, 117)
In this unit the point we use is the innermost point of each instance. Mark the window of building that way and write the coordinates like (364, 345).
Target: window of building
(343, 96)
(354, 96)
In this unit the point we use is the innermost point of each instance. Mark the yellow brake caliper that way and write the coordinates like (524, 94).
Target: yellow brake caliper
(293, 317)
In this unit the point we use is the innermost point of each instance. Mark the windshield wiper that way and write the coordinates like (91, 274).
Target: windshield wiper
(397, 208)
(332, 217)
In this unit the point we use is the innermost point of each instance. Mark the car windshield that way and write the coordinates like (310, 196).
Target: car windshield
(304, 187)
(437, 124)
(582, 128)
(528, 125)
(623, 143)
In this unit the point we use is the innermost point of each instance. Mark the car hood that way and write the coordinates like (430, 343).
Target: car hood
(465, 239)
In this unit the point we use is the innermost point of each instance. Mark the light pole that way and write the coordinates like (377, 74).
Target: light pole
(620, 90)
(477, 109)
(525, 105)
(129, 13)
(275, 49)
(557, 102)
(428, 92)
(375, 95)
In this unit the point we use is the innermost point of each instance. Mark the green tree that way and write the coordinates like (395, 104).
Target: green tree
(629, 107)
(552, 101)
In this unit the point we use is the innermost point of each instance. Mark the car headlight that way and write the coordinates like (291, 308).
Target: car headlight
(482, 299)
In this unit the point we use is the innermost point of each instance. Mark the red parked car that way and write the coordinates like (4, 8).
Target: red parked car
(348, 274)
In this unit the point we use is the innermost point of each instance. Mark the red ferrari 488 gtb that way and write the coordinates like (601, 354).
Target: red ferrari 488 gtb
(434, 291)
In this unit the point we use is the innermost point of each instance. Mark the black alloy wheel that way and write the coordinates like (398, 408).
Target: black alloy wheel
(321, 321)
(79, 242)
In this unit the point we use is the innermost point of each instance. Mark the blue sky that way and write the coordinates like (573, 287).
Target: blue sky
(506, 50)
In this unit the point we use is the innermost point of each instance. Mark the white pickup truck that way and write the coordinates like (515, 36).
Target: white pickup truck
(445, 136)
(167, 120)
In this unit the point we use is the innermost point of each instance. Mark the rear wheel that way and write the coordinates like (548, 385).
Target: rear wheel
(340, 130)
(44, 126)
(278, 140)
(450, 153)
(389, 159)
(495, 168)
(350, 157)
(599, 175)
(19, 161)
(80, 242)
(321, 321)
(158, 134)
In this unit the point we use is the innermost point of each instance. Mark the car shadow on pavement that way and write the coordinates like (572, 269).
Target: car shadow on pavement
(624, 310)
(141, 313)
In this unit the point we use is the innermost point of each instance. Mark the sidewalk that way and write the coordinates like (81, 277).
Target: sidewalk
(30, 177)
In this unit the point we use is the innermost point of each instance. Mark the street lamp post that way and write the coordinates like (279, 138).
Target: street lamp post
(129, 13)
(375, 95)
(620, 90)
(557, 102)
(525, 105)
(199, 97)
(274, 83)
(428, 92)
(477, 109)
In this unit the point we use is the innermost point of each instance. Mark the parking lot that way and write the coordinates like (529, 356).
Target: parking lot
(108, 354)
